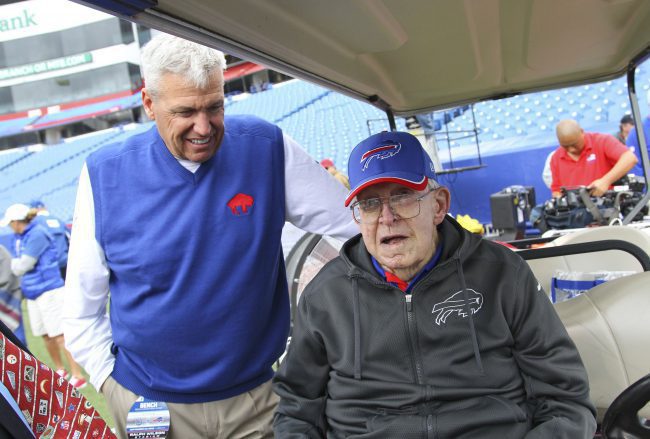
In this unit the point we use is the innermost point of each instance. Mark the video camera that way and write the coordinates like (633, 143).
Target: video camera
(576, 208)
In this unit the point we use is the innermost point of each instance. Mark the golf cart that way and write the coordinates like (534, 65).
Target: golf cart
(416, 56)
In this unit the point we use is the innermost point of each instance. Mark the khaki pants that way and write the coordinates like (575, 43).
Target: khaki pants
(249, 415)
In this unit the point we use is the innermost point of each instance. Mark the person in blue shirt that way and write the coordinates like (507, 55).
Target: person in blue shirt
(57, 229)
(632, 141)
(36, 262)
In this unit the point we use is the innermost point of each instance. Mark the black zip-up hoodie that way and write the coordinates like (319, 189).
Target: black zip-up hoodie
(475, 350)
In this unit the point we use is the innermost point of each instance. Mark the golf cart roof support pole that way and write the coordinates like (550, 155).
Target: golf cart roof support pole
(478, 147)
(643, 150)
(391, 119)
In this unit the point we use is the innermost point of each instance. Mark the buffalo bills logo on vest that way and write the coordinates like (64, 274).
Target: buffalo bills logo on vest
(457, 304)
(381, 153)
(241, 204)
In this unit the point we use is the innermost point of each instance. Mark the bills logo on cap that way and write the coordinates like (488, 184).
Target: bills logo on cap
(408, 164)
(381, 152)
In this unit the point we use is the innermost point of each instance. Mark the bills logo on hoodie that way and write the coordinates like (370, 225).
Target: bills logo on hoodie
(381, 153)
(457, 304)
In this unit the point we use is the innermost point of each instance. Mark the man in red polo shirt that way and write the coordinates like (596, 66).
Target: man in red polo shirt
(588, 159)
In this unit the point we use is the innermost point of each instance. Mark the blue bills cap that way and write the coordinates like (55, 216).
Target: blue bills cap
(389, 157)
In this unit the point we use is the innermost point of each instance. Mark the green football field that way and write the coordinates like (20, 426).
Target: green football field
(37, 347)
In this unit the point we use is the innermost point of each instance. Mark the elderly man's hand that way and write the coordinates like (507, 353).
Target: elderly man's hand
(598, 187)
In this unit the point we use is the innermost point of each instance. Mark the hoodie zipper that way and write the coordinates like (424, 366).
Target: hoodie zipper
(411, 330)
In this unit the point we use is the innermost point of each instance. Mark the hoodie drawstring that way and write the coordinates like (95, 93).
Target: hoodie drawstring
(357, 329)
(470, 315)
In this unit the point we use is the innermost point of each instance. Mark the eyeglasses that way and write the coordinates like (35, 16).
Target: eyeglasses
(404, 206)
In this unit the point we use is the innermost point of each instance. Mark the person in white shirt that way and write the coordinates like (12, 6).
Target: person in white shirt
(182, 224)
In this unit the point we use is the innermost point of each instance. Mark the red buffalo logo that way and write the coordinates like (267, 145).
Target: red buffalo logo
(240, 204)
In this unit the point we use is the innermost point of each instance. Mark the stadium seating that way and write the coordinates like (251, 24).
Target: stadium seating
(11, 156)
(325, 123)
(84, 112)
(329, 125)
(591, 105)
(51, 175)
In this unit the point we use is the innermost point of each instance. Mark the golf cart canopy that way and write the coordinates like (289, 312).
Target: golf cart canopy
(410, 56)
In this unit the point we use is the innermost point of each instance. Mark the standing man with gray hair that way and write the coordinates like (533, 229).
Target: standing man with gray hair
(182, 224)
(422, 329)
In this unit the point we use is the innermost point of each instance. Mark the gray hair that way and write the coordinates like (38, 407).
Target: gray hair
(169, 54)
